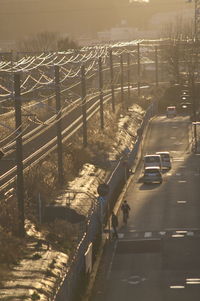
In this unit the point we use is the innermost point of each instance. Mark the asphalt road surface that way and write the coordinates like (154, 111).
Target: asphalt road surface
(157, 257)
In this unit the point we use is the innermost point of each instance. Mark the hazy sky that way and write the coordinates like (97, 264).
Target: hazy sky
(19, 18)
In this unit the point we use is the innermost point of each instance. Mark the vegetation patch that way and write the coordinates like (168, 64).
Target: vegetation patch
(42, 187)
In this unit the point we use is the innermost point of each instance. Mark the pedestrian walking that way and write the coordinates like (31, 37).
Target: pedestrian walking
(125, 210)
(114, 223)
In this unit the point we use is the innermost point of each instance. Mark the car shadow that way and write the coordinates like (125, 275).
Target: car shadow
(149, 186)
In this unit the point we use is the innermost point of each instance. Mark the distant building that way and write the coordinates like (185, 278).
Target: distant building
(125, 33)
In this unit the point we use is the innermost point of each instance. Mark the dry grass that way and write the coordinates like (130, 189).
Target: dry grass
(42, 180)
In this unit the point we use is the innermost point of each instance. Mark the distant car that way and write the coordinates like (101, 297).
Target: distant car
(171, 111)
(152, 160)
(165, 160)
(152, 175)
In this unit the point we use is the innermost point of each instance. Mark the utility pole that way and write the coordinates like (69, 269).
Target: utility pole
(177, 50)
(112, 83)
(84, 112)
(128, 76)
(122, 79)
(101, 93)
(19, 154)
(59, 127)
(194, 117)
(138, 70)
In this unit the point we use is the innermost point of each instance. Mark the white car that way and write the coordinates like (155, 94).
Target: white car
(165, 160)
(171, 111)
(152, 174)
(152, 160)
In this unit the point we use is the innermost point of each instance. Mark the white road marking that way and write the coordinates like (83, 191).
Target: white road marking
(148, 234)
(178, 143)
(181, 202)
(182, 181)
(134, 280)
(162, 232)
(135, 234)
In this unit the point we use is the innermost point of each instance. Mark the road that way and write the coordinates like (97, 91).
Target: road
(157, 257)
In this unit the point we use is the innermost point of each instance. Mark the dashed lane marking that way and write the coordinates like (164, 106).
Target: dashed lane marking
(148, 234)
(158, 234)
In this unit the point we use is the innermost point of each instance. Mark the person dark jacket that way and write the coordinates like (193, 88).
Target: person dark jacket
(114, 220)
(125, 208)
(114, 223)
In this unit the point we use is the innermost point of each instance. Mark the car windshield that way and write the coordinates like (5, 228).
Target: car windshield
(152, 159)
(165, 156)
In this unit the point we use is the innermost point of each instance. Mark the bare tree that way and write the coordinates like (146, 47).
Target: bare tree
(65, 44)
(179, 29)
(41, 42)
(178, 50)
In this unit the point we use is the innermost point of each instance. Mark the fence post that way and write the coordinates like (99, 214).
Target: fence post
(19, 154)
(128, 75)
(101, 93)
(138, 70)
(84, 111)
(59, 127)
(111, 80)
(122, 79)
